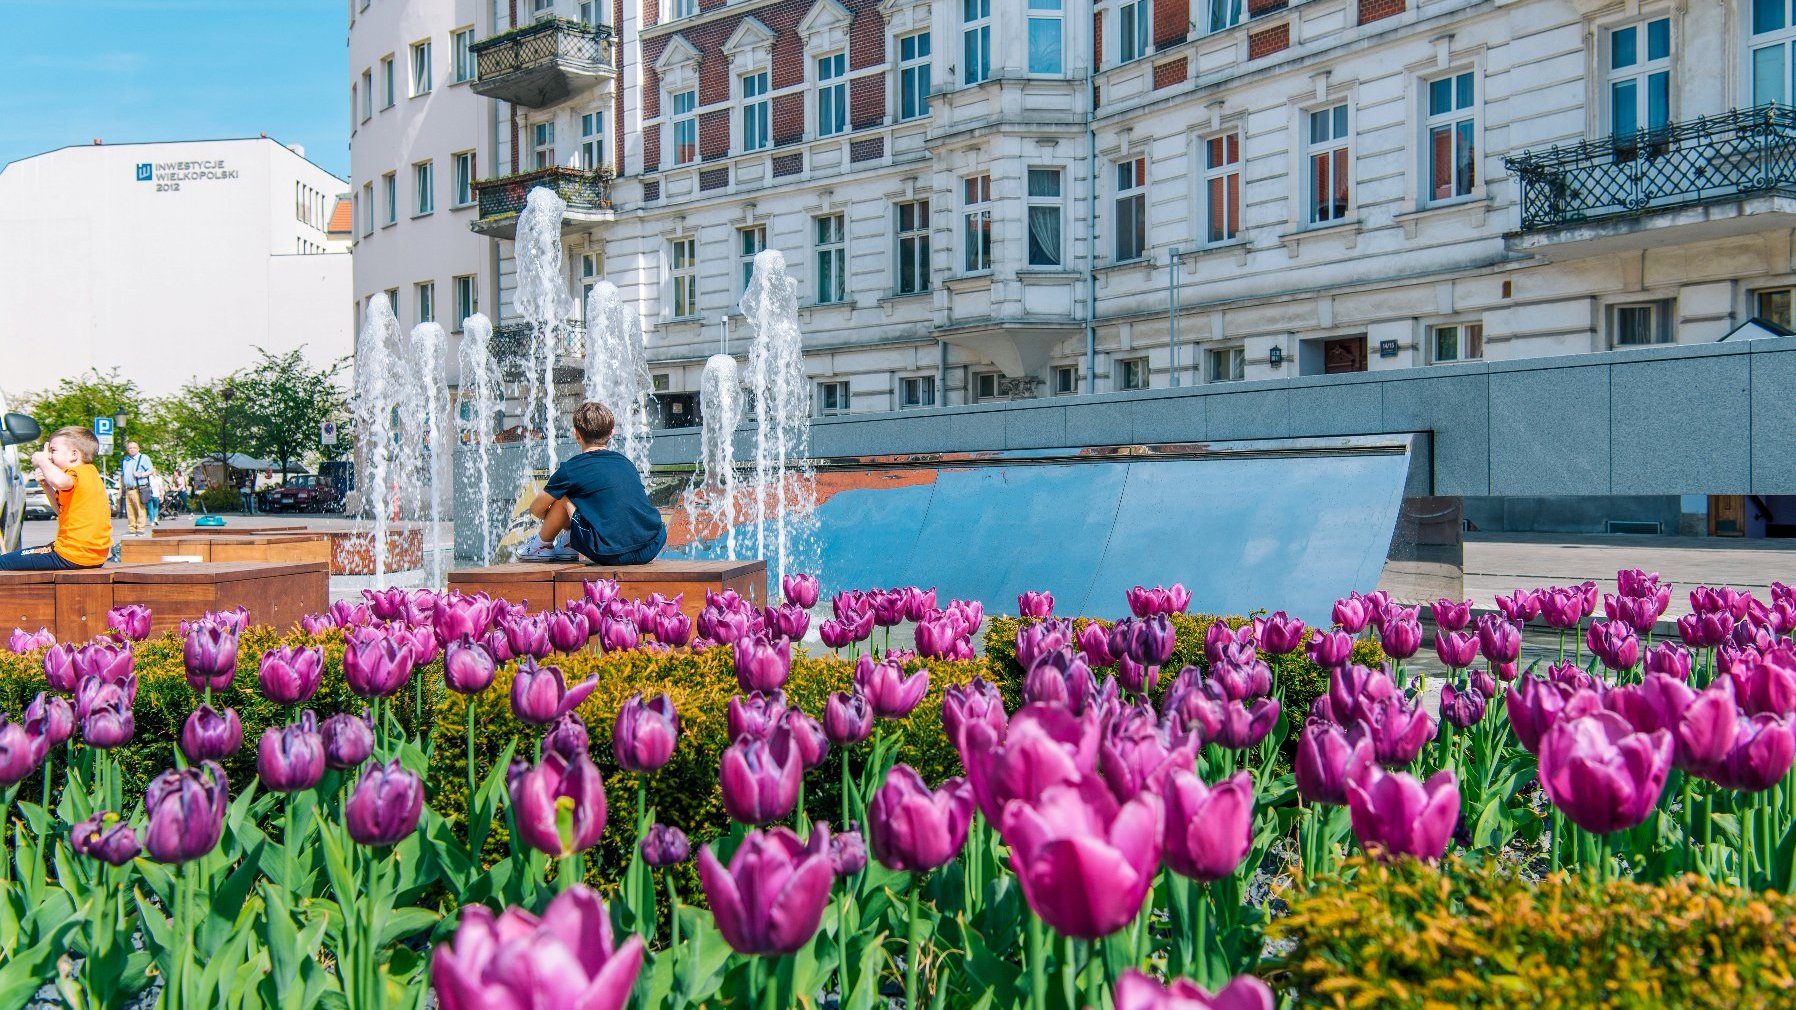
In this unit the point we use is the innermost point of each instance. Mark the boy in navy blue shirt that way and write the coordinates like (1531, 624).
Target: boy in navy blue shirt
(594, 503)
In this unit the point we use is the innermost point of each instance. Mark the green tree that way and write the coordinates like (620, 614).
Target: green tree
(197, 421)
(92, 394)
(283, 401)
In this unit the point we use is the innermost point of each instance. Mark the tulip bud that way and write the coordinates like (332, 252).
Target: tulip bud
(1279, 633)
(663, 845)
(540, 695)
(914, 829)
(348, 740)
(19, 753)
(467, 667)
(618, 635)
(1035, 604)
(109, 722)
(643, 738)
(804, 733)
(131, 621)
(290, 758)
(61, 670)
(186, 809)
(1498, 639)
(1456, 649)
(1461, 709)
(847, 853)
(106, 837)
(758, 784)
(848, 719)
(568, 630)
(290, 675)
(763, 665)
(568, 737)
(49, 717)
(770, 899)
(376, 664)
(210, 655)
(1208, 829)
(1400, 633)
(1327, 757)
(800, 590)
(887, 689)
(209, 735)
(1331, 649)
(385, 806)
(528, 636)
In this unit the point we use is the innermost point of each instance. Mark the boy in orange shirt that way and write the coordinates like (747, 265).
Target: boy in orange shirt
(65, 468)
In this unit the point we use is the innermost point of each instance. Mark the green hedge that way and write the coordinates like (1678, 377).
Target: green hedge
(1412, 937)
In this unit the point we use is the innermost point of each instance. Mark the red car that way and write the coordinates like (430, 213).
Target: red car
(304, 493)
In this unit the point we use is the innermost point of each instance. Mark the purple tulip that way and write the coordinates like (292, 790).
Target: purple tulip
(456, 616)
(1561, 607)
(1094, 642)
(290, 675)
(109, 722)
(1060, 678)
(1535, 705)
(1330, 649)
(914, 829)
(566, 959)
(1034, 641)
(376, 664)
(186, 809)
(528, 636)
(977, 701)
(1614, 643)
(290, 758)
(763, 665)
(1085, 862)
(1484, 683)
(1035, 604)
(936, 637)
(1451, 615)
(348, 740)
(1240, 674)
(49, 717)
(498, 645)
(23, 641)
(568, 631)
(800, 590)
(386, 804)
(887, 689)
(848, 719)
(847, 853)
(1657, 702)
(131, 621)
(1136, 754)
(1705, 729)
(1244, 726)
(1762, 751)
(759, 784)
(1147, 640)
(344, 614)
(791, 621)
(664, 845)
(644, 736)
(771, 897)
(890, 606)
(674, 629)
(619, 635)
(835, 634)
(1400, 633)
(64, 667)
(1208, 829)
(209, 735)
(800, 731)
(106, 837)
(1705, 630)
(1327, 758)
(540, 695)
(755, 714)
(1461, 709)
(1519, 607)
(568, 737)
(1769, 683)
(1353, 613)
(1279, 633)
(1193, 709)
(1354, 689)
(1498, 639)
(210, 654)
(556, 790)
(1398, 816)
(1136, 991)
(1398, 730)
(1041, 746)
(468, 668)
(20, 753)
(1456, 649)
(1601, 773)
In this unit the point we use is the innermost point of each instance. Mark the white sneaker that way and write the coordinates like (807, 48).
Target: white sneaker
(534, 549)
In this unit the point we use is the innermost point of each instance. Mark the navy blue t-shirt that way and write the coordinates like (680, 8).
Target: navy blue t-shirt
(607, 493)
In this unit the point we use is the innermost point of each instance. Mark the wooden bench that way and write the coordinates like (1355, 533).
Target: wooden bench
(350, 550)
(73, 604)
(548, 586)
(260, 547)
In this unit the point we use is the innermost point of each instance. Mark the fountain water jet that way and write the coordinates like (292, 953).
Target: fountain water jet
(543, 301)
(617, 371)
(710, 499)
(480, 392)
(377, 354)
(427, 450)
(784, 479)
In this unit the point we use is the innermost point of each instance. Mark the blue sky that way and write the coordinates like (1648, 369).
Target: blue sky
(141, 70)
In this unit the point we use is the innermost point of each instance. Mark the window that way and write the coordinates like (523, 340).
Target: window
(976, 41)
(1132, 373)
(592, 141)
(916, 391)
(367, 208)
(389, 185)
(976, 210)
(1227, 364)
(1222, 187)
(427, 302)
(386, 77)
(393, 300)
(913, 247)
(463, 167)
(1131, 209)
(685, 127)
(424, 189)
(542, 145)
(832, 95)
(757, 112)
(985, 386)
(682, 9)
(1044, 217)
(749, 242)
(1136, 21)
(461, 44)
(1640, 77)
(592, 12)
(1045, 36)
(1452, 154)
(355, 104)
(1456, 342)
(1066, 380)
(1773, 305)
(1773, 49)
(913, 76)
(367, 95)
(1640, 323)
(421, 68)
(682, 255)
(832, 259)
(659, 382)
(832, 397)
(467, 299)
(1328, 176)
(1224, 14)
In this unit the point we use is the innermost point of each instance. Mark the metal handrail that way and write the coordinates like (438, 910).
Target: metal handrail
(545, 41)
(582, 190)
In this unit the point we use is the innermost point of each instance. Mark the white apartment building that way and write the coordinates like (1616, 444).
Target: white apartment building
(419, 138)
(989, 199)
(167, 261)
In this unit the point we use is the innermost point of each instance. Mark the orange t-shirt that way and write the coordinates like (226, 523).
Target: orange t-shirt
(84, 529)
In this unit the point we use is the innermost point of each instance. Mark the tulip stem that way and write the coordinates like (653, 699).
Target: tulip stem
(49, 764)
(1069, 973)
(1038, 968)
(570, 872)
(473, 778)
(288, 843)
(913, 948)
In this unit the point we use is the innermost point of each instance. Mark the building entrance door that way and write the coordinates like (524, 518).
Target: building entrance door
(1344, 354)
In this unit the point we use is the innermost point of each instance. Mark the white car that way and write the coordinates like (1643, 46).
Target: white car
(37, 503)
(15, 430)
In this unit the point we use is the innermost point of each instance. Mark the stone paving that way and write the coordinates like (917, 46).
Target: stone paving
(1498, 563)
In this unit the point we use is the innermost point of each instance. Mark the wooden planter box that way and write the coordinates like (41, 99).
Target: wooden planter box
(301, 547)
(74, 604)
(549, 586)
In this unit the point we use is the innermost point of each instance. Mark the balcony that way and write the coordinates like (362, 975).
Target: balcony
(1709, 178)
(545, 63)
(510, 347)
(501, 199)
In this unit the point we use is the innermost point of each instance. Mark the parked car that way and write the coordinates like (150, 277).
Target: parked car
(37, 503)
(15, 430)
(305, 492)
(115, 497)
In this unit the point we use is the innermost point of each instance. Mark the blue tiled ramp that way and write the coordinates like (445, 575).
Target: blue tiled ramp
(1279, 525)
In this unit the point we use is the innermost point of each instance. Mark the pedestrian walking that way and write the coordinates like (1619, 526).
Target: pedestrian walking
(135, 472)
(246, 494)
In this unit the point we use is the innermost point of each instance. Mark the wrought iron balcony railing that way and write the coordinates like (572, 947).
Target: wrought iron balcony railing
(541, 64)
(1740, 153)
(510, 347)
(501, 199)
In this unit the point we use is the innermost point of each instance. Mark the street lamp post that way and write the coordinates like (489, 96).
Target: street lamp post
(224, 437)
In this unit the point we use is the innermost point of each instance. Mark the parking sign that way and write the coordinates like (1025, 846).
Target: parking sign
(102, 427)
(327, 433)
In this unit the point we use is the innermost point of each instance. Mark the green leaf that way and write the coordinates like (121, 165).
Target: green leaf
(28, 970)
(404, 922)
